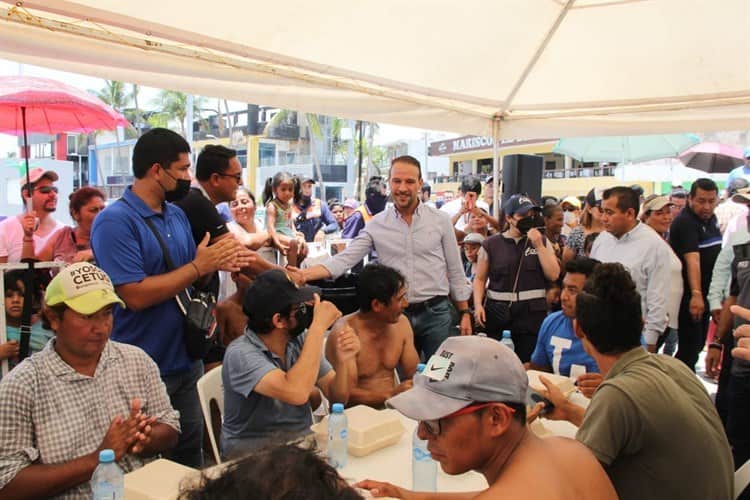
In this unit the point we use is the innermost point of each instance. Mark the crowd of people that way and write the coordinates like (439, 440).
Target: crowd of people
(590, 287)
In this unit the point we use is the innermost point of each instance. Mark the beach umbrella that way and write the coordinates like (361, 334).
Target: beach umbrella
(45, 106)
(625, 149)
(713, 157)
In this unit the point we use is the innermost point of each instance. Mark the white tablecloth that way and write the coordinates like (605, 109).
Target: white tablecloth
(393, 464)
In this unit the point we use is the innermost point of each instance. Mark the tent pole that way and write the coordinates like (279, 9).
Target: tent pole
(26, 152)
(495, 166)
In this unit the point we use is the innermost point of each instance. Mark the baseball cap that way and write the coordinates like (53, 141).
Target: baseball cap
(273, 291)
(82, 287)
(737, 184)
(679, 192)
(742, 196)
(594, 197)
(464, 370)
(37, 173)
(351, 203)
(654, 202)
(519, 204)
(308, 178)
(571, 200)
(474, 238)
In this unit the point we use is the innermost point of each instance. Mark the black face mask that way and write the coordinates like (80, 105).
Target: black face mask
(304, 317)
(376, 202)
(179, 192)
(525, 224)
(306, 200)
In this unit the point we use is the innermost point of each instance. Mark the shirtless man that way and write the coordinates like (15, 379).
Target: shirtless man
(385, 336)
(473, 417)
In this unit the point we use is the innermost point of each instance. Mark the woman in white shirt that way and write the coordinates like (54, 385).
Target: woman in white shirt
(656, 212)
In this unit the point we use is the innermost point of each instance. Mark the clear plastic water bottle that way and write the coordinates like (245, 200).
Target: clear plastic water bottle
(507, 340)
(423, 467)
(337, 436)
(108, 481)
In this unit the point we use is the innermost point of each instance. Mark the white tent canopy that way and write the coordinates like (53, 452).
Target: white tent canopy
(536, 68)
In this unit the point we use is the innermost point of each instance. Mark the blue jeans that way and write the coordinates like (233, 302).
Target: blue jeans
(432, 325)
(669, 341)
(184, 398)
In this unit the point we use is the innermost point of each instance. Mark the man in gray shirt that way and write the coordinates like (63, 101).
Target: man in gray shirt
(270, 371)
(419, 241)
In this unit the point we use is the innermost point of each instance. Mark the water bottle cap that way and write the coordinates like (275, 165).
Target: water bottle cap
(337, 408)
(106, 456)
(420, 367)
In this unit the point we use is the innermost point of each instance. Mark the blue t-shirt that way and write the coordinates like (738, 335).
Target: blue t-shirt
(741, 172)
(126, 249)
(38, 339)
(251, 419)
(558, 347)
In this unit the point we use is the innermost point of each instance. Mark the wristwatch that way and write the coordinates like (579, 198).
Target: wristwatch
(464, 311)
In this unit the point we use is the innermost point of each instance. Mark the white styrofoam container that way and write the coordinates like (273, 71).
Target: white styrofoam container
(368, 430)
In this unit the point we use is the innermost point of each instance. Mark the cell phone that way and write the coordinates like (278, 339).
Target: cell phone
(538, 398)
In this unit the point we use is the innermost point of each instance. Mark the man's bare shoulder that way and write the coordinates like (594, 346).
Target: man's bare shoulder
(403, 327)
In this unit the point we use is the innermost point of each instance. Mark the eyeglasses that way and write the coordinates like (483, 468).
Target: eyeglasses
(237, 177)
(47, 189)
(434, 426)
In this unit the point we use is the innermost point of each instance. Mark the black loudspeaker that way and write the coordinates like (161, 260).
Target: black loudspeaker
(522, 174)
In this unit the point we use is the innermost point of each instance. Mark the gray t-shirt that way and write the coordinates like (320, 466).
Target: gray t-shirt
(252, 420)
(740, 288)
(654, 427)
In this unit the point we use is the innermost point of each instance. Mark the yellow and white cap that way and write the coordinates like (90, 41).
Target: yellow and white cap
(83, 287)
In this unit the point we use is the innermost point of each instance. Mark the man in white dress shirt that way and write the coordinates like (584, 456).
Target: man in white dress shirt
(643, 253)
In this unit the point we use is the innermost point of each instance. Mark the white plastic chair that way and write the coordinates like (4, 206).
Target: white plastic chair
(211, 389)
(741, 479)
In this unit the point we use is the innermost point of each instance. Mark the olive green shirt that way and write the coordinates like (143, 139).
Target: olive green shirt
(654, 428)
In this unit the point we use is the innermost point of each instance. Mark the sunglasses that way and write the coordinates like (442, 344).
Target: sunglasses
(46, 189)
(569, 209)
(434, 427)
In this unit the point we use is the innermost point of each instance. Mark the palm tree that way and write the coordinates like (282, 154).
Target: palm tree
(135, 89)
(311, 122)
(113, 93)
(173, 105)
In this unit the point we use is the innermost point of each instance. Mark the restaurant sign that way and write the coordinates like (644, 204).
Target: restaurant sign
(470, 143)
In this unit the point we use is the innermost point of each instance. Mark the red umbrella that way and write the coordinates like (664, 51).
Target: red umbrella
(41, 105)
(712, 157)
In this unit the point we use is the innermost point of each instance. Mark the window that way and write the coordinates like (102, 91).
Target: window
(267, 154)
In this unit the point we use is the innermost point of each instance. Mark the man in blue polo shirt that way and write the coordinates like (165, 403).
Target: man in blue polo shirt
(128, 251)
(557, 347)
(271, 370)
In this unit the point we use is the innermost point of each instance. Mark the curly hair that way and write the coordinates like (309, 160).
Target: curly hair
(284, 472)
(608, 310)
